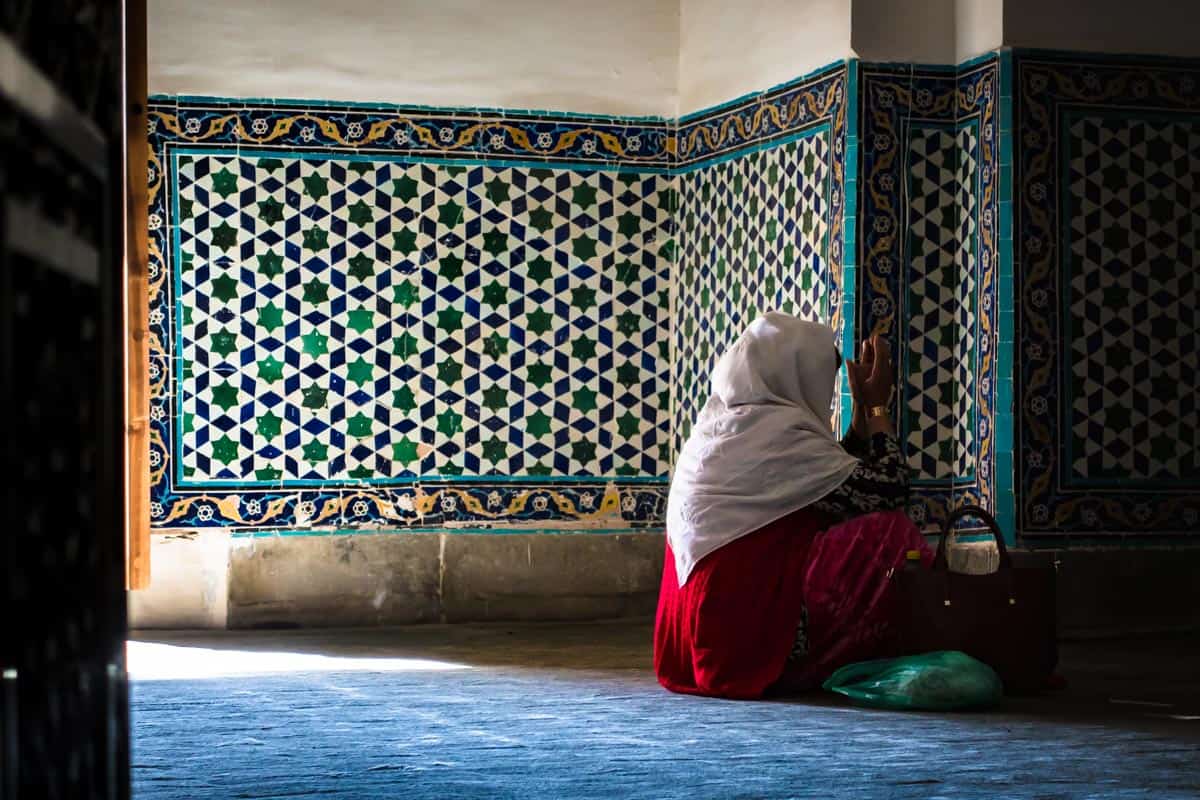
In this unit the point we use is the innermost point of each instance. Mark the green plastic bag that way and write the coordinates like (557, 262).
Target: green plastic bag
(942, 681)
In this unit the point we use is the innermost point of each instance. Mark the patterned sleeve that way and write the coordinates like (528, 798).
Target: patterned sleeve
(878, 483)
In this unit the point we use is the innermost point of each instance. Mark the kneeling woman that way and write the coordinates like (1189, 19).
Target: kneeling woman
(780, 538)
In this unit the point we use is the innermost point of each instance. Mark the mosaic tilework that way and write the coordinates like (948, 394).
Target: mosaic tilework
(1107, 268)
(938, 424)
(927, 267)
(761, 205)
(754, 232)
(357, 337)
(1132, 335)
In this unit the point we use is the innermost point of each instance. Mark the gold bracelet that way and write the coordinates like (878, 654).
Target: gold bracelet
(877, 411)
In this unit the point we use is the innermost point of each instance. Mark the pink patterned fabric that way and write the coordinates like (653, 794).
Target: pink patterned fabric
(848, 594)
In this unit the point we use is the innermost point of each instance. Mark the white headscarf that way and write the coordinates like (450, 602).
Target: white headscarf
(763, 446)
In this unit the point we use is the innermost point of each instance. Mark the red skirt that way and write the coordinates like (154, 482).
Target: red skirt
(729, 630)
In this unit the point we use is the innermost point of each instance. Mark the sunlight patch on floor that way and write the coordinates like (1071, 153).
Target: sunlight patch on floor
(150, 661)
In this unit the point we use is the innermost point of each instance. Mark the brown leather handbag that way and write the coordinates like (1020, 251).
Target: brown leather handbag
(1006, 619)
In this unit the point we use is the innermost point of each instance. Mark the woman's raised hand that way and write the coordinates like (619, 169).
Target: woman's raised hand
(872, 375)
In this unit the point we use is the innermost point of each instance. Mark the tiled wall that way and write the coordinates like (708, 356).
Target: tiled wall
(1108, 270)
(928, 234)
(387, 316)
(761, 209)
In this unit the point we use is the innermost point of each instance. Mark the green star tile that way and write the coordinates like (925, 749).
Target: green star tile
(405, 188)
(450, 267)
(270, 317)
(269, 425)
(537, 424)
(497, 191)
(225, 396)
(627, 273)
(628, 375)
(538, 374)
(495, 243)
(495, 450)
(360, 372)
(541, 219)
(450, 469)
(224, 183)
(362, 473)
(361, 215)
(360, 320)
(359, 426)
(189, 423)
(270, 369)
(315, 452)
(539, 269)
(404, 345)
(583, 247)
(449, 371)
(225, 450)
(626, 470)
(583, 297)
(224, 236)
(495, 345)
(583, 400)
(270, 164)
(316, 187)
(539, 469)
(495, 294)
(404, 294)
(668, 250)
(628, 323)
(449, 422)
(315, 344)
(404, 451)
(540, 321)
(224, 342)
(267, 474)
(584, 196)
(316, 291)
(629, 224)
(403, 399)
(404, 242)
(270, 211)
(450, 214)
(583, 451)
(186, 209)
(628, 425)
(583, 347)
(270, 264)
(362, 267)
(314, 397)
(316, 239)
(668, 200)
(495, 398)
(450, 319)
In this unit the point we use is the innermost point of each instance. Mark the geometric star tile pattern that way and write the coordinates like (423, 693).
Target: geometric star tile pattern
(358, 319)
(1133, 342)
(941, 356)
(754, 239)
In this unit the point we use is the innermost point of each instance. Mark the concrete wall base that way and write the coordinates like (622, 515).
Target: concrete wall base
(219, 581)
(215, 580)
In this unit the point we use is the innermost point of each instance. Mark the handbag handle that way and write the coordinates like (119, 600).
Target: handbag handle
(941, 560)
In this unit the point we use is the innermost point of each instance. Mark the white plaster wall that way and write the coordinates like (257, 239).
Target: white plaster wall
(920, 31)
(189, 582)
(1162, 27)
(978, 27)
(730, 49)
(610, 57)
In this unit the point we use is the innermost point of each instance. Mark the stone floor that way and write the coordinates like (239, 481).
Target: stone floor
(573, 711)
